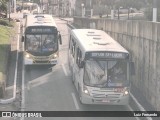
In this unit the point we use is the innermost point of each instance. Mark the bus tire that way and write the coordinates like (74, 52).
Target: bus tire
(80, 94)
(70, 69)
(73, 78)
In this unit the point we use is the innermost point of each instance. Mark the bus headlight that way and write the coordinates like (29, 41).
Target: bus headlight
(55, 55)
(27, 56)
(85, 90)
(125, 92)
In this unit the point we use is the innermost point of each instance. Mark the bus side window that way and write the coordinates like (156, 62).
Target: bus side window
(79, 57)
(70, 38)
(73, 45)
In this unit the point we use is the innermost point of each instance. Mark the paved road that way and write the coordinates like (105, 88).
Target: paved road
(51, 89)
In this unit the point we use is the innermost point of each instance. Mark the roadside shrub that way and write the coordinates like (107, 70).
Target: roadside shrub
(149, 14)
(6, 22)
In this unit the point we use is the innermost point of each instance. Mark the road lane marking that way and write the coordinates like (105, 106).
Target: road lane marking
(55, 68)
(38, 81)
(28, 86)
(75, 101)
(23, 92)
(64, 69)
(35, 84)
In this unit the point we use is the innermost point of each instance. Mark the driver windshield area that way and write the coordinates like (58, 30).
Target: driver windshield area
(41, 43)
(103, 73)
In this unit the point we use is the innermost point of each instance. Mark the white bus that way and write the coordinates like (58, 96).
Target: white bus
(100, 67)
(41, 40)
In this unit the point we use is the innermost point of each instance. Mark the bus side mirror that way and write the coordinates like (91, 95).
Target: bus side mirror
(60, 39)
(22, 39)
(132, 68)
(81, 64)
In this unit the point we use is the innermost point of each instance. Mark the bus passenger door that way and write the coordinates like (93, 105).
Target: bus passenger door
(71, 57)
(78, 70)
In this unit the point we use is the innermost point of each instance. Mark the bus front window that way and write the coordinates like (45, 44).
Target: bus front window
(99, 73)
(41, 43)
(49, 43)
(33, 43)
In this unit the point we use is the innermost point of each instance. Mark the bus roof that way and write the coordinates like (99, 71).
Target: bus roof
(40, 20)
(96, 40)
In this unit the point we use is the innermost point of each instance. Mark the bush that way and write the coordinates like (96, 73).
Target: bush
(149, 14)
(6, 22)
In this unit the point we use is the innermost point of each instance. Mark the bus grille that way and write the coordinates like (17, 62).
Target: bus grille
(105, 95)
(41, 58)
(41, 62)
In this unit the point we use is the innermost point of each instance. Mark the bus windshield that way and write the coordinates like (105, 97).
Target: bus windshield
(41, 43)
(106, 73)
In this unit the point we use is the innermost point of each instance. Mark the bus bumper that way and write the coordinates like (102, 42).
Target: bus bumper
(86, 99)
(32, 62)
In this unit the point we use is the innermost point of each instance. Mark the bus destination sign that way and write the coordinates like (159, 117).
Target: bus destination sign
(108, 55)
(40, 30)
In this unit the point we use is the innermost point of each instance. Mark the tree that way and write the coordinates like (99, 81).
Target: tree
(106, 4)
(37, 1)
(3, 6)
(109, 3)
(130, 3)
(149, 10)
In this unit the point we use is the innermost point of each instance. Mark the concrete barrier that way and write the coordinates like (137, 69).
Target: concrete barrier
(2, 84)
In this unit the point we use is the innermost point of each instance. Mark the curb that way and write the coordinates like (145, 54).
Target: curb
(64, 19)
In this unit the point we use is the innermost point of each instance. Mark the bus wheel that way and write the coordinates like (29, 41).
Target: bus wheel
(80, 94)
(73, 78)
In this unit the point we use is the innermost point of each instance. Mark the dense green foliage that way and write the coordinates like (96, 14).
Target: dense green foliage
(4, 43)
(146, 5)
(3, 5)
(5, 22)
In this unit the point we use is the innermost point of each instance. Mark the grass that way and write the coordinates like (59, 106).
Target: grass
(5, 22)
(4, 43)
(6, 32)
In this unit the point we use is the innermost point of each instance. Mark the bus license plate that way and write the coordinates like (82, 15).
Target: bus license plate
(107, 101)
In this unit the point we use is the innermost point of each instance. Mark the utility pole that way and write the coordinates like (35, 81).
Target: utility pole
(14, 4)
(91, 5)
(154, 11)
(59, 7)
(22, 5)
(42, 7)
(118, 13)
(9, 10)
